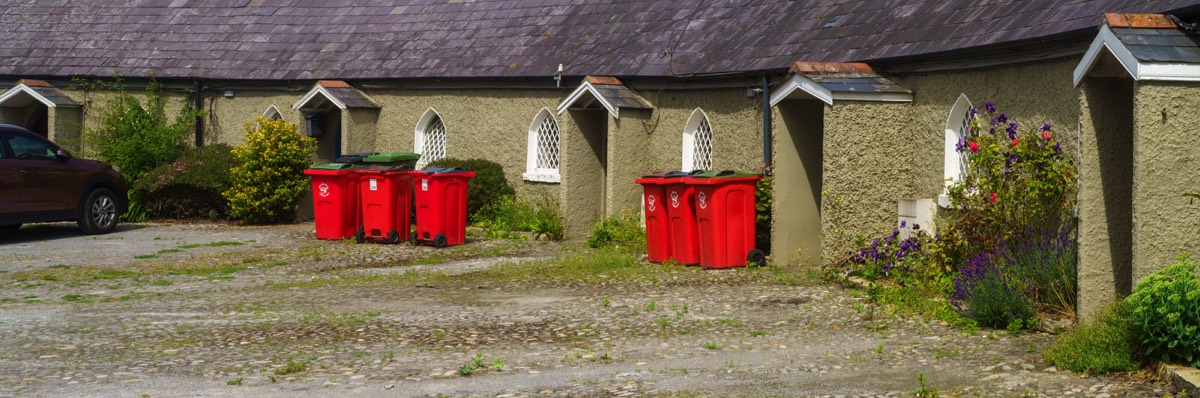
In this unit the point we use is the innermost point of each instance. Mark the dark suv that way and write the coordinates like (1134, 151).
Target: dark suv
(40, 182)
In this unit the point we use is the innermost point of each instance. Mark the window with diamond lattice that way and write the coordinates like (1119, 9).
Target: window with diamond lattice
(542, 159)
(697, 142)
(430, 140)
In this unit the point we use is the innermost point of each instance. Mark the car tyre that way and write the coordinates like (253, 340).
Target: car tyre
(8, 229)
(99, 212)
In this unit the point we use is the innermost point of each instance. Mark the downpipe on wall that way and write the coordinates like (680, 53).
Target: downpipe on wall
(766, 110)
(198, 101)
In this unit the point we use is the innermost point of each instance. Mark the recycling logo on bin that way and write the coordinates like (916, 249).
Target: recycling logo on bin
(323, 190)
(650, 202)
(702, 199)
(674, 199)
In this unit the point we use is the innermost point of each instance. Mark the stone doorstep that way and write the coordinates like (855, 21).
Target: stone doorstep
(1182, 377)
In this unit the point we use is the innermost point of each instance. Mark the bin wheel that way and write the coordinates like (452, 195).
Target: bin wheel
(756, 256)
(412, 238)
(439, 241)
(361, 235)
(393, 237)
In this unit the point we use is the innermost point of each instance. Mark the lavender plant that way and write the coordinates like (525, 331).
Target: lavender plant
(1014, 281)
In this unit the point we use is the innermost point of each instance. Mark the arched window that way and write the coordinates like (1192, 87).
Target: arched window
(697, 142)
(957, 126)
(429, 140)
(272, 113)
(541, 161)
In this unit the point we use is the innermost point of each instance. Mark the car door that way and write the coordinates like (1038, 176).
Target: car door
(48, 185)
(10, 180)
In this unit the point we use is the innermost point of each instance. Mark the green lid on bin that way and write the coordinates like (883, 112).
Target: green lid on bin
(330, 166)
(393, 158)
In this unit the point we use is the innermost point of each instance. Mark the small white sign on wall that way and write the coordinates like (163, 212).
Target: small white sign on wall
(914, 214)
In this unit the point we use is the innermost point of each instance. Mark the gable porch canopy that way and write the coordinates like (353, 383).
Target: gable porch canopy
(327, 94)
(605, 91)
(1144, 47)
(27, 91)
(838, 81)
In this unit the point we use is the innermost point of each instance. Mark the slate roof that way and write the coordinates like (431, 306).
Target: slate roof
(377, 39)
(1159, 40)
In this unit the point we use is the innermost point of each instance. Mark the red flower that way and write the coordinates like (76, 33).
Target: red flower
(1045, 134)
(973, 146)
(1014, 142)
(994, 198)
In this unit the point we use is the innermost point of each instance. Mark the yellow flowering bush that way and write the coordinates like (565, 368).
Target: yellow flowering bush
(271, 178)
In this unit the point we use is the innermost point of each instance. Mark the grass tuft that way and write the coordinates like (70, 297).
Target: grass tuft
(1106, 344)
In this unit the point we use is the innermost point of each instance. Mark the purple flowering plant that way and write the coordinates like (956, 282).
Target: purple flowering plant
(1017, 179)
(892, 257)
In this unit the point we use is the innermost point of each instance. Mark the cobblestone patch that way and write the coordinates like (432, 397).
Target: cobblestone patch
(285, 315)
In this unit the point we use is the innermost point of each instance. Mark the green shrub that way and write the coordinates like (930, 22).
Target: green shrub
(191, 186)
(1165, 308)
(510, 213)
(489, 185)
(624, 230)
(135, 135)
(270, 175)
(762, 207)
(1106, 344)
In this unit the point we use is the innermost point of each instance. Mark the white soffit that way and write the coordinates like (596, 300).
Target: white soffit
(23, 89)
(586, 88)
(797, 86)
(318, 89)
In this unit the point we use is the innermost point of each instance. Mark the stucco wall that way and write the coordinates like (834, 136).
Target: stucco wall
(1106, 184)
(228, 117)
(871, 159)
(1166, 161)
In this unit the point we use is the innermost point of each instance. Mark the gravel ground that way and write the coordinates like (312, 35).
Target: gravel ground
(212, 310)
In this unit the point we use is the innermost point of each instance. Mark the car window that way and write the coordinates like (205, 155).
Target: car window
(30, 148)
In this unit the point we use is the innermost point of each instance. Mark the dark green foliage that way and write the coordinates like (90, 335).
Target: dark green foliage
(488, 187)
(1106, 344)
(624, 231)
(191, 186)
(1165, 308)
(762, 207)
(135, 135)
(511, 213)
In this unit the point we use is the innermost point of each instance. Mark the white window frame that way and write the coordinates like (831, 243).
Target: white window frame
(532, 171)
(420, 133)
(689, 139)
(954, 164)
(272, 113)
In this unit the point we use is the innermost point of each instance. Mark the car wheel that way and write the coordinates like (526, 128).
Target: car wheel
(99, 213)
(8, 229)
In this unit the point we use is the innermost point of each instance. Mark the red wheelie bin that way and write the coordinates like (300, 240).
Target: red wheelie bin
(725, 213)
(441, 200)
(386, 197)
(335, 200)
(658, 227)
(681, 218)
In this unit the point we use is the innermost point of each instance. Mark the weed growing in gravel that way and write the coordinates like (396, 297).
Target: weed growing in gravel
(225, 243)
(757, 333)
(291, 367)
(59, 266)
(234, 382)
(168, 251)
(939, 353)
(650, 306)
(711, 345)
(190, 246)
(605, 303)
(145, 256)
(478, 362)
(923, 390)
(76, 298)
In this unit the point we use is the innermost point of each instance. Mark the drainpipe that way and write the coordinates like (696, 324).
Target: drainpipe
(766, 109)
(199, 103)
